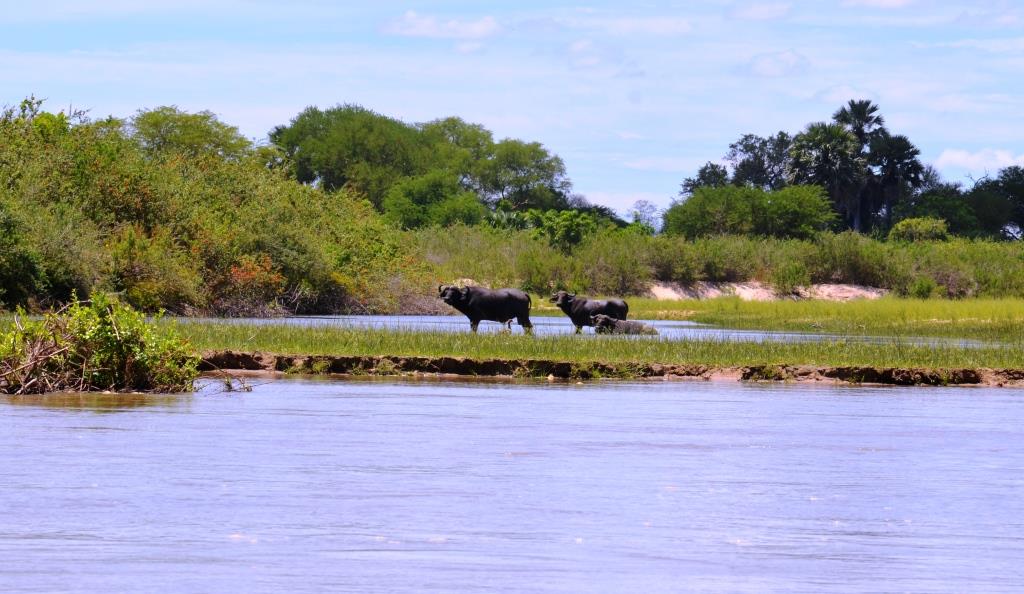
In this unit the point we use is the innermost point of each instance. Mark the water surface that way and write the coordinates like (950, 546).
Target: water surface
(441, 486)
(548, 325)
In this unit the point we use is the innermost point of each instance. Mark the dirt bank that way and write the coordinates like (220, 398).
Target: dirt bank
(756, 291)
(393, 365)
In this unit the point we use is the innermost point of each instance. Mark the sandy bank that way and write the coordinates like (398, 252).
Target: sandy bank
(756, 291)
(232, 361)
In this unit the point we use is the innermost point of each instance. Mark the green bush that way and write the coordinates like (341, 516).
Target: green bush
(788, 277)
(725, 210)
(613, 262)
(728, 258)
(102, 345)
(919, 229)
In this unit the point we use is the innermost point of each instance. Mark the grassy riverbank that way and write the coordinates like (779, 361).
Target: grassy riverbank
(585, 348)
(995, 320)
(980, 319)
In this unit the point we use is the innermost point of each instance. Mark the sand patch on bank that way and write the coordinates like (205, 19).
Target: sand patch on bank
(756, 291)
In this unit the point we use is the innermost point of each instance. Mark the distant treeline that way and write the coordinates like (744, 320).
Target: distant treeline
(871, 178)
(348, 210)
(626, 261)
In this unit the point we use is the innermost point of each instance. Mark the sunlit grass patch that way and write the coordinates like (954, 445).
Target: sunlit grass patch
(284, 339)
(981, 319)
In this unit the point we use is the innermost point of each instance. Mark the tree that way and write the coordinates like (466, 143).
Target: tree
(19, 270)
(644, 212)
(714, 211)
(562, 228)
(896, 168)
(798, 212)
(828, 155)
(460, 148)
(760, 162)
(351, 146)
(710, 175)
(862, 118)
(943, 201)
(434, 198)
(793, 212)
(169, 129)
(524, 175)
(1010, 182)
(992, 207)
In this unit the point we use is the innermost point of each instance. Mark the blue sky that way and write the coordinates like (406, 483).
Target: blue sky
(633, 96)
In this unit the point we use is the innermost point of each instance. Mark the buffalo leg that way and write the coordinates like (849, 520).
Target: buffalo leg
(579, 329)
(524, 321)
(474, 324)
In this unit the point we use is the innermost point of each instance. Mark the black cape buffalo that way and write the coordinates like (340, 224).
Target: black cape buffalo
(496, 305)
(607, 325)
(580, 309)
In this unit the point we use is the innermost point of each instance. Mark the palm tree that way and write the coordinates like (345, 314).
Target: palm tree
(896, 167)
(828, 155)
(860, 117)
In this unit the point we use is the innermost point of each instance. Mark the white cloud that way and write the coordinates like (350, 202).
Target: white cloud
(878, 3)
(974, 18)
(997, 46)
(984, 160)
(468, 47)
(415, 25)
(666, 164)
(584, 54)
(963, 103)
(761, 11)
(777, 64)
(627, 135)
(626, 26)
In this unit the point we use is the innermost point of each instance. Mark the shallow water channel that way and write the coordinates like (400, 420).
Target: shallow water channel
(546, 326)
(501, 486)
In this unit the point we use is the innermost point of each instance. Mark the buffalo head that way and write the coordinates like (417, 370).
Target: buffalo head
(601, 321)
(452, 295)
(562, 298)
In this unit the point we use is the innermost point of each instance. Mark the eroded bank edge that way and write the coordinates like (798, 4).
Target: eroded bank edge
(228, 360)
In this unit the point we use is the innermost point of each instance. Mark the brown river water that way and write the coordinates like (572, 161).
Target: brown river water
(497, 486)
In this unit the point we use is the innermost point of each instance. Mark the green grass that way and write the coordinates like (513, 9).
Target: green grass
(999, 320)
(283, 339)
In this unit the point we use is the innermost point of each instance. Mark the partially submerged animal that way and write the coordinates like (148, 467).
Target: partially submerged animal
(495, 305)
(581, 310)
(608, 325)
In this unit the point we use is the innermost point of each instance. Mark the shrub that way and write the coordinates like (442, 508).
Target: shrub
(787, 277)
(850, 257)
(919, 229)
(714, 211)
(614, 262)
(673, 259)
(252, 289)
(19, 270)
(152, 271)
(102, 345)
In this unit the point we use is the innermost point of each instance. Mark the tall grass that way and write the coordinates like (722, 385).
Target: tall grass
(617, 262)
(284, 339)
(999, 320)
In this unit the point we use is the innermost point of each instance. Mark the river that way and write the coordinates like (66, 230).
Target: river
(549, 325)
(395, 485)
